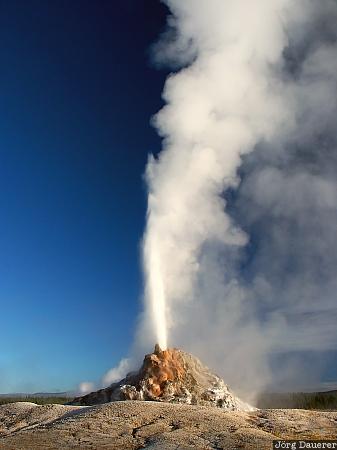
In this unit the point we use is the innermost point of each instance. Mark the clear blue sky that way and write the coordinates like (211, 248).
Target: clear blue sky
(76, 95)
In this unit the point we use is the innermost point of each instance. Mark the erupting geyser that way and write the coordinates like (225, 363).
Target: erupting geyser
(248, 156)
(154, 289)
(218, 107)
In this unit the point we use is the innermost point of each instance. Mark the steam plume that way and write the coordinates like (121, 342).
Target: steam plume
(218, 108)
(246, 170)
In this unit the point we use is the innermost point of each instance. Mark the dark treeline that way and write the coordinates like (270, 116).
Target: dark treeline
(299, 400)
(35, 399)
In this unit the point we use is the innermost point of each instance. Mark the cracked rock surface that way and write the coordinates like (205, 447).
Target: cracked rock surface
(155, 425)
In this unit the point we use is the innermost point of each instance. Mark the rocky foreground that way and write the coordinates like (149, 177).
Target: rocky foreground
(172, 402)
(155, 425)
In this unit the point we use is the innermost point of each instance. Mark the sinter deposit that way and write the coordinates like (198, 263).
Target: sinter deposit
(169, 376)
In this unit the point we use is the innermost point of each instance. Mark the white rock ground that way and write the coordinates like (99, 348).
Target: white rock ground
(155, 425)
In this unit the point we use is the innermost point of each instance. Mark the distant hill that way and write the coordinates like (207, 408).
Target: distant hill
(38, 394)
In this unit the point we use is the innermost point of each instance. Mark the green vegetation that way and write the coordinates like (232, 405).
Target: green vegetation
(299, 400)
(35, 399)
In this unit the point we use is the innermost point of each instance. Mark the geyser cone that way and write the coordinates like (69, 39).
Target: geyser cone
(170, 375)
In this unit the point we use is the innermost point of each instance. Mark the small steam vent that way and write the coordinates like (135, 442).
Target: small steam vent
(157, 349)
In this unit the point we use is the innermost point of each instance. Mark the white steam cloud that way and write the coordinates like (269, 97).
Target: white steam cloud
(117, 373)
(85, 387)
(239, 248)
(217, 109)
